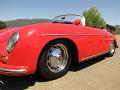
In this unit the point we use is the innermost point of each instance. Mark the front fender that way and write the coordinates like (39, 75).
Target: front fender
(28, 49)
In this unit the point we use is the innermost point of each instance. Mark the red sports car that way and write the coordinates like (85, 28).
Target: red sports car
(49, 48)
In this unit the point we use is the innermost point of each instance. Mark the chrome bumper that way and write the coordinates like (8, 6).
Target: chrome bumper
(10, 71)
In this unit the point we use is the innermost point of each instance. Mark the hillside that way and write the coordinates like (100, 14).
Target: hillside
(23, 22)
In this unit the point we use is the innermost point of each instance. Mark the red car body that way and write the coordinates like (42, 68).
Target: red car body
(90, 42)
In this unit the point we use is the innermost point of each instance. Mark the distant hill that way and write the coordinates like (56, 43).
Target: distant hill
(23, 22)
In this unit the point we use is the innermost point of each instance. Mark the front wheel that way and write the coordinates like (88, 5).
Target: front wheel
(111, 49)
(55, 60)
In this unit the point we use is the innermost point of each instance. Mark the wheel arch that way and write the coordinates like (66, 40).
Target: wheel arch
(73, 48)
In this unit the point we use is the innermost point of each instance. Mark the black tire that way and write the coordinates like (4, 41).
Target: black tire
(44, 69)
(111, 49)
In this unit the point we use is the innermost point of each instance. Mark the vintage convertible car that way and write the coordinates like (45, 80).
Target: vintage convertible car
(49, 48)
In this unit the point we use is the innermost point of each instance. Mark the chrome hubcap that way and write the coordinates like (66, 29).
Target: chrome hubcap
(112, 48)
(57, 58)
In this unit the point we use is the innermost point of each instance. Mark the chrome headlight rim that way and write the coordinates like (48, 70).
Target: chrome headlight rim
(12, 41)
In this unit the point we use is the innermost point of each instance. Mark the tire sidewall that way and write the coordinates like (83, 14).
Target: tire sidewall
(43, 68)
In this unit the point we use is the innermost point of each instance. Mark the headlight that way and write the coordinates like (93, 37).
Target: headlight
(12, 41)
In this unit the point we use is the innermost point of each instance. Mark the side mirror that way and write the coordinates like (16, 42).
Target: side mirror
(77, 22)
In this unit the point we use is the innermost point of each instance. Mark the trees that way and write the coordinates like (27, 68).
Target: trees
(117, 29)
(2, 25)
(94, 18)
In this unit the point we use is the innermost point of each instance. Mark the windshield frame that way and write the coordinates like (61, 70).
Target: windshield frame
(60, 21)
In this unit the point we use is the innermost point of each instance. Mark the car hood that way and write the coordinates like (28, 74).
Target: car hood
(54, 28)
(41, 29)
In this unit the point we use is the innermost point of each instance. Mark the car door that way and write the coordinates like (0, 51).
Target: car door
(90, 42)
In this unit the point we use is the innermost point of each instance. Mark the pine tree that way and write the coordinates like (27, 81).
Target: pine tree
(94, 18)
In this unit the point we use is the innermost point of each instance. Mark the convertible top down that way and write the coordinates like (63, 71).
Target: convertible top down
(49, 48)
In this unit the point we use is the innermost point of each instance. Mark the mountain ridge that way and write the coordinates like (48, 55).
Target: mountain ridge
(24, 22)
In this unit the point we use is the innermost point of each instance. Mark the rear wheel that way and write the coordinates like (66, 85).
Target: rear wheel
(55, 60)
(111, 49)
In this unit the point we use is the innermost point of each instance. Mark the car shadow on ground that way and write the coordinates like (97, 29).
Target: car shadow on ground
(78, 66)
(23, 82)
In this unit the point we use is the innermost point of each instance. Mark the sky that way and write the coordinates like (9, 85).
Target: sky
(48, 9)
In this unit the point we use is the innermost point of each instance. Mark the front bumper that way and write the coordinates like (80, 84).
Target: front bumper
(13, 70)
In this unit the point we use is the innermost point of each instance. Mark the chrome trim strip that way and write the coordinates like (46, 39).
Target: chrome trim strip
(20, 71)
(54, 34)
(74, 34)
(90, 57)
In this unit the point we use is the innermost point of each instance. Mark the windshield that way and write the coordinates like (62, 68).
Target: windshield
(68, 19)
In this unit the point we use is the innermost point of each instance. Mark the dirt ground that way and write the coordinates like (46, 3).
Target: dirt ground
(101, 73)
